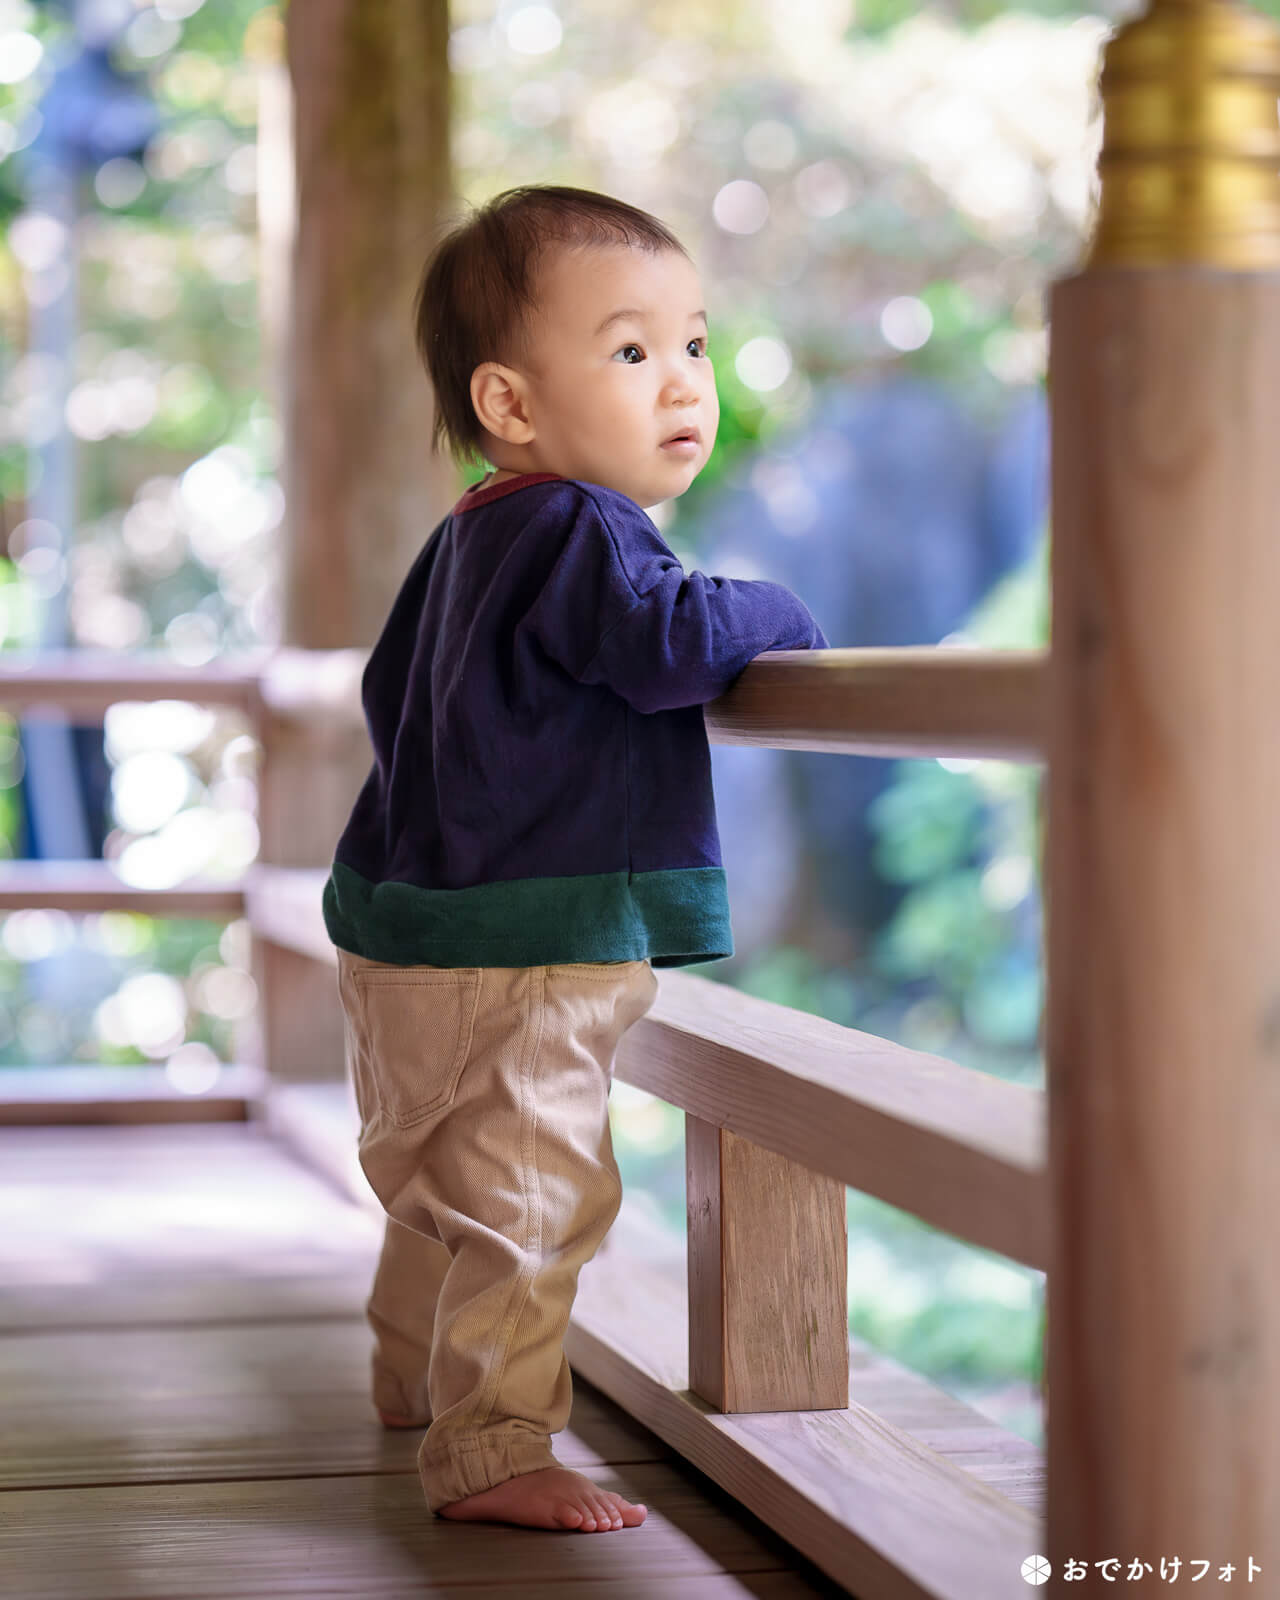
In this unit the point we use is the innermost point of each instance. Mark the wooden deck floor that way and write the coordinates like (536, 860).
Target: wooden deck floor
(184, 1404)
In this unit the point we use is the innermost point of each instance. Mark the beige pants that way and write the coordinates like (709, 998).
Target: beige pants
(484, 1108)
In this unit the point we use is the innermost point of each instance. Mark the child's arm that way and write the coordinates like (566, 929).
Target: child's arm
(686, 639)
(661, 638)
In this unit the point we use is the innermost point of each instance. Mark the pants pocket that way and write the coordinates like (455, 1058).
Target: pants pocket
(417, 1027)
(612, 969)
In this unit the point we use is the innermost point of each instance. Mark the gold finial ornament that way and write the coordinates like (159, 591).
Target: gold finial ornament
(1190, 161)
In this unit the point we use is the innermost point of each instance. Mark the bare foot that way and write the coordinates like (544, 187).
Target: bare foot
(551, 1497)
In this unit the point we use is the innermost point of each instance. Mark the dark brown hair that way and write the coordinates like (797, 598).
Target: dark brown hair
(477, 298)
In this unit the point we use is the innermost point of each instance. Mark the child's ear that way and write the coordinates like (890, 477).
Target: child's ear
(497, 395)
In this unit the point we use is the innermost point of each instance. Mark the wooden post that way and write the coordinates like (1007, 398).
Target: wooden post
(370, 134)
(768, 1270)
(1163, 934)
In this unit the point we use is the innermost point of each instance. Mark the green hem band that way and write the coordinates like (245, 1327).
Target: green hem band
(671, 918)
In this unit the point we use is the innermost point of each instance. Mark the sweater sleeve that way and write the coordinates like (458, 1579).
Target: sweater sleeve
(661, 638)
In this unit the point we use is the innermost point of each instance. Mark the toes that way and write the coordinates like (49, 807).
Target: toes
(625, 1511)
(600, 1514)
(606, 1513)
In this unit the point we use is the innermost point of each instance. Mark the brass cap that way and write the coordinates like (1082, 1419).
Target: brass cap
(1190, 163)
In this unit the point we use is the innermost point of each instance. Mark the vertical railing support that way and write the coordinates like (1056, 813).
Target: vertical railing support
(305, 789)
(1163, 928)
(768, 1269)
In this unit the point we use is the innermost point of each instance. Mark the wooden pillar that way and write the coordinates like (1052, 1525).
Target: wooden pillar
(768, 1269)
(369, 86)
(1163, 930)
(371, 154)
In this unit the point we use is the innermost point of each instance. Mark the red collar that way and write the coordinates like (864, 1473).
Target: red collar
(480, 494)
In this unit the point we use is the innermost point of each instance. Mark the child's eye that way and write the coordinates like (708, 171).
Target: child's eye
(624, 348)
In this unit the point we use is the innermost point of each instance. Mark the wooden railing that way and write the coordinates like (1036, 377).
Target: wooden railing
(748, 1371)
(1150, 1192)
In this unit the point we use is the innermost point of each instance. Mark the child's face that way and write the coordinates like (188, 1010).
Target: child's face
(598, 403)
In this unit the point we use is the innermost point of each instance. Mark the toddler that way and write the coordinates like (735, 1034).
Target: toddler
(537, 832)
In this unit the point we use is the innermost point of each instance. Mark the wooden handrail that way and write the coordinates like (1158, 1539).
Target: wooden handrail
(910, 702)
(906, 702)
(83, 683)
(98, 886)
(960, 1149)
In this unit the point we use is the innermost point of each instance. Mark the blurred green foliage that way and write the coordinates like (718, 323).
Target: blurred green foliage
(968, 844)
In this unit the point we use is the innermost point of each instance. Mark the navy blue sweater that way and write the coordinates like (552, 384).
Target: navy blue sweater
(541, 785)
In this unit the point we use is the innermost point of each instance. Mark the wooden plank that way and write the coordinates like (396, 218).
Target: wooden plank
(199, 1201)
(261, 1399)
(158, 1439)
(169, 1154)
(902, 702)
(949, 1427)
(83, 683)
(372, 1536)
(120, 1110)
(104, 1092)
(98, 886)
(173, 1298)
(255, 1391)
(866, 1501)
(961, 1149)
